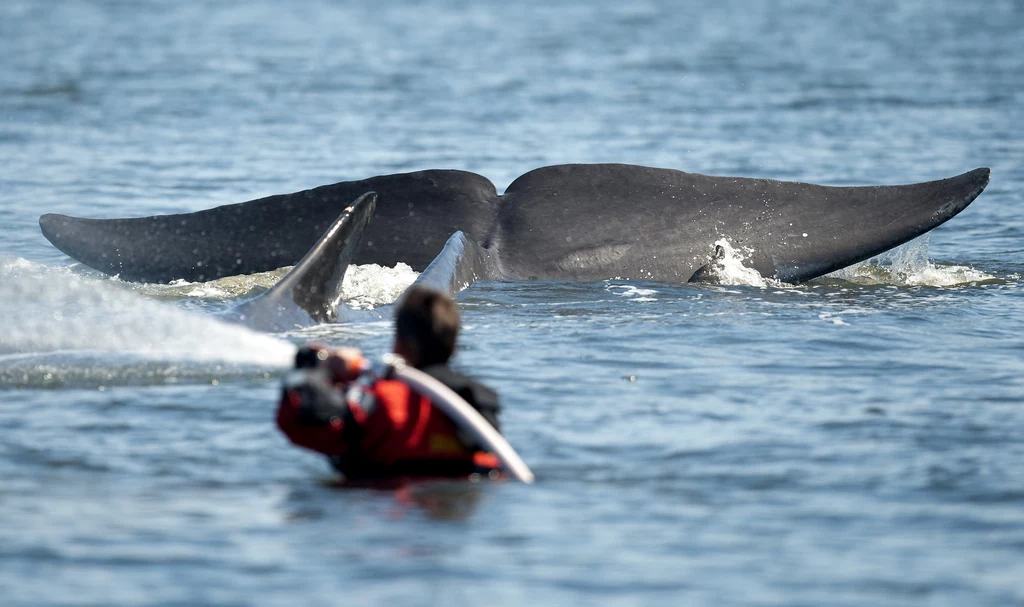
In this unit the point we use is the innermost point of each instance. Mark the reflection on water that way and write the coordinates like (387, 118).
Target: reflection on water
(436, 499)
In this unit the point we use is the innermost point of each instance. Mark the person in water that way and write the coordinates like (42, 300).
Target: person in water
(371, 427)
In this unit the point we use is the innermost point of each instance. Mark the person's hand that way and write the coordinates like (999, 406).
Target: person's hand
(345, 364)
(342, 364)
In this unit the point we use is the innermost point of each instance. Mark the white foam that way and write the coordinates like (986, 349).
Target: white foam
(908, 265)
(51, 309)
(833, 318)
(370, 286)
(229, 287)
(732, 271)
(365, 286)
(633, 293)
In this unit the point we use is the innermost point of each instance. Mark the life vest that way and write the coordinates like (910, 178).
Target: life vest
(381, 429)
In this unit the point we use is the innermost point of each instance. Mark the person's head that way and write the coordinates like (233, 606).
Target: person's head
(426, 325)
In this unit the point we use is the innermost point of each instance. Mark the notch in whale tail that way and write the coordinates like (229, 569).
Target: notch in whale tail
(311, 292)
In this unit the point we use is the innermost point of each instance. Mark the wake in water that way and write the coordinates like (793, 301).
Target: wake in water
(63, 328)
(59, 326)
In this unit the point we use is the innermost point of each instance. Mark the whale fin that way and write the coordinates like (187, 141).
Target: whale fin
(460, 263)
(311, 292)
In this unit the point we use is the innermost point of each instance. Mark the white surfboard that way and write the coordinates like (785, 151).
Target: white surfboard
(462, 413)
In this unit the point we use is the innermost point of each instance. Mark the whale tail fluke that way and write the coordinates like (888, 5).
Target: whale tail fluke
(311, 292)
(567, 222)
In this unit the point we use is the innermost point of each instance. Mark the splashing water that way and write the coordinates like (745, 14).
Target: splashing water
(632, 293)
(365, 287)
(731, 271)
(908, 265)
(48, 310)
(369, 286)
(229, 287)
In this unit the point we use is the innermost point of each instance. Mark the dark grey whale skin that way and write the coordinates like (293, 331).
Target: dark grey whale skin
(591, 222)
(416, 214)
(576, 222)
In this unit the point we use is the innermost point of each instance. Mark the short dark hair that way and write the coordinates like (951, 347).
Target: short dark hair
(430, 319)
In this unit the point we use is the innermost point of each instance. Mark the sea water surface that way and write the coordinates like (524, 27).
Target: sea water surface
(856, 440)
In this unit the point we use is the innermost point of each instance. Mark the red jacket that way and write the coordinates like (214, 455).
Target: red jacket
(379, 429)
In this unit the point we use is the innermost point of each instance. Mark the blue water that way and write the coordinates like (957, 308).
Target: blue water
(852, 441)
